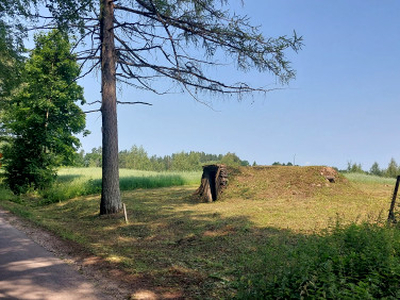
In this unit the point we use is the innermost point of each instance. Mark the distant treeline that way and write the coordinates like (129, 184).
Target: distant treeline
(137, 158)
(277, 163)
(392, 170)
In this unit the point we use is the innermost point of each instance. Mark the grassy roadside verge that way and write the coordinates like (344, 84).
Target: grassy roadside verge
(228, 248)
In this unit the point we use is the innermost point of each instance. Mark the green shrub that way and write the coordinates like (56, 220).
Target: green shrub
(356, 262)
(25, 169)
(7, 195)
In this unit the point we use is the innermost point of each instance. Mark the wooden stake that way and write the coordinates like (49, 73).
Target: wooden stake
(391, 216)
(125, 214)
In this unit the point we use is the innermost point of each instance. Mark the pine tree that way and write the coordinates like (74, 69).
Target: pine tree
(375, 170)
(141, 41)
(393, 169)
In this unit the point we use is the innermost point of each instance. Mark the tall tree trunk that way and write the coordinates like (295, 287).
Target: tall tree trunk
(110, 194)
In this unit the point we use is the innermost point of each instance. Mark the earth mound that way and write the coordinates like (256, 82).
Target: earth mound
(271, 182)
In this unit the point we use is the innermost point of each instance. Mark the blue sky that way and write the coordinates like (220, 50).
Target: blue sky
(343, 106)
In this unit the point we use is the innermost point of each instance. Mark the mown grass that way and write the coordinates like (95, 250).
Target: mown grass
(286, 234)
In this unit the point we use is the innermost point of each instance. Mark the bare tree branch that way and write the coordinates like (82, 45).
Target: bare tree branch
(135, 102)
(94, 102)
(92, 111)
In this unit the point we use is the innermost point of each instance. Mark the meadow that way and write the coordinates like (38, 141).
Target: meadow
(74, 182)
(283, 234)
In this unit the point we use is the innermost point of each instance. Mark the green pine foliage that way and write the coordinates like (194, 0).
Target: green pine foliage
(137, 158)
(392, 169)
(375, 170)
(42, 116)
(354, 168)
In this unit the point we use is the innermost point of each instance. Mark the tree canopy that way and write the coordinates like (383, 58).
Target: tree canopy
(137, 158)
(42, 116)
(10, 61)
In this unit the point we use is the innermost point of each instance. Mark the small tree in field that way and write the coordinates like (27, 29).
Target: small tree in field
(375, 170)
(231, 159)
(42, 116)
(354, 168)
(140, 41)
(393, 169)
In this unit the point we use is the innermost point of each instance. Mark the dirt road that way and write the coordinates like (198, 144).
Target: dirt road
(28, 271)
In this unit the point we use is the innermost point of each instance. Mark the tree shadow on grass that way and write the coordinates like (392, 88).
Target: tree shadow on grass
(186, 248)
(188, 251)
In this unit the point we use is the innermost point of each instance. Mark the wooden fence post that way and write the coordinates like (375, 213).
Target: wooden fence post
(391, 216)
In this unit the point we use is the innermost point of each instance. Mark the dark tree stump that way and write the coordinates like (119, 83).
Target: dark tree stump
(213, 181)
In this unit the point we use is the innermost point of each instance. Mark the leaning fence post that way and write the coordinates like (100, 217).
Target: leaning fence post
(391, 216)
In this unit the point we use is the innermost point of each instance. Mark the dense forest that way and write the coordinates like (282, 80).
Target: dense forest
(137, 158)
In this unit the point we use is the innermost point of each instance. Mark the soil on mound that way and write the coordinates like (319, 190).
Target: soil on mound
(266, 182)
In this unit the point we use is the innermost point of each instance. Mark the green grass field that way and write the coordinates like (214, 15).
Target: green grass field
(74, 182)
(277, 233)
(364, 178)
